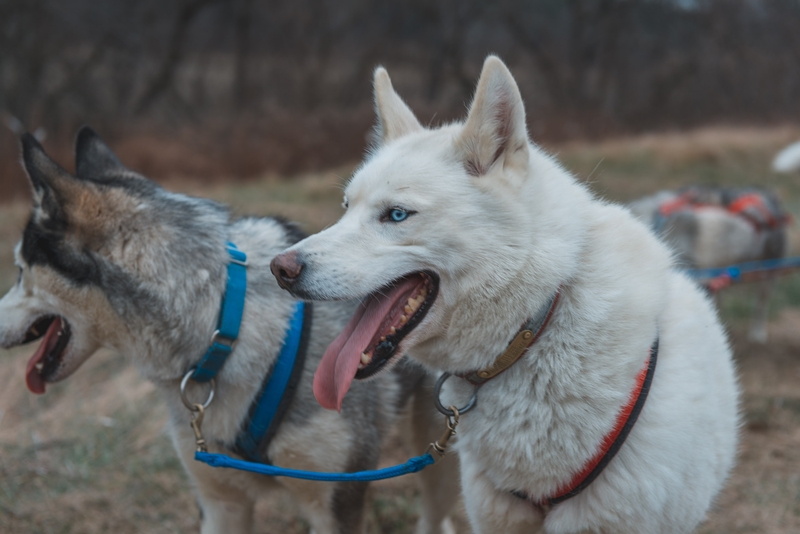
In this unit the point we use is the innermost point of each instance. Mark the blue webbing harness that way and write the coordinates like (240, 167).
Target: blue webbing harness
(274, 397)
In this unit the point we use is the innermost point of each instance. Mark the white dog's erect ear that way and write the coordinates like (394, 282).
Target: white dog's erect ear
(395, 119)
(93, 159)
(495, 126)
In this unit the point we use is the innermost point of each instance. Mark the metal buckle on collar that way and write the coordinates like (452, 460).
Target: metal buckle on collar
(216, 337)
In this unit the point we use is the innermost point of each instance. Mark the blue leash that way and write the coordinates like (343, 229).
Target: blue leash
(251, 441)
(414, 465)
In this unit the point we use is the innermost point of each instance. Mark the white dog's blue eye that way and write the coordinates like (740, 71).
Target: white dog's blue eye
(398, 215)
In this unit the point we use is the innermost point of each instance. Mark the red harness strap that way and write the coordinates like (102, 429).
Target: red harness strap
(750, 206)
(753, 208)
(682, 202)
(613, 441)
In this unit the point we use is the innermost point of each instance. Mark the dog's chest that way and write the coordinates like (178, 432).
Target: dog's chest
(524, 442)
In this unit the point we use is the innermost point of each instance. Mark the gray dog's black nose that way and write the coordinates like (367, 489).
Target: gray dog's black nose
(286, 268)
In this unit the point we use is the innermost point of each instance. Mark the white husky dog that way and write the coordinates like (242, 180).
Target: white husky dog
(453, 238)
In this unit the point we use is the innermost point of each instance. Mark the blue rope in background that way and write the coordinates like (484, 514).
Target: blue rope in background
(414, 465)
(736, 271)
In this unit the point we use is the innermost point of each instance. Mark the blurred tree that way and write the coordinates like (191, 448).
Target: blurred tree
(298, 73)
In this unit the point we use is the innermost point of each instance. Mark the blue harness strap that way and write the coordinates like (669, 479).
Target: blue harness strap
(265, 414)
(278, 389)
(230, 318)
(414, 465)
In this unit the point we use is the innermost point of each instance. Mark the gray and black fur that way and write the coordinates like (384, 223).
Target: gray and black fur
(152, 264)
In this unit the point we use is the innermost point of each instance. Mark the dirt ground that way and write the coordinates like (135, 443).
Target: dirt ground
(92, 456)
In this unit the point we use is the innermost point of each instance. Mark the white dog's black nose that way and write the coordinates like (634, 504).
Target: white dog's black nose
(286, 268)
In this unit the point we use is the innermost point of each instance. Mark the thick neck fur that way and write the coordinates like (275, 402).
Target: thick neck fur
(569, 232)
(484, 308)
(164, 355)
(167, 333)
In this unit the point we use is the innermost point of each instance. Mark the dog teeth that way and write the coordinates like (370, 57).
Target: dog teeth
(408, 309)
(39, 367)
(383, 338)
(392, 330)
(365, 358)
(403, 319)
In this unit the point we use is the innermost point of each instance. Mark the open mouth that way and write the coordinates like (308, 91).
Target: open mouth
(372, 337)
(46, 361)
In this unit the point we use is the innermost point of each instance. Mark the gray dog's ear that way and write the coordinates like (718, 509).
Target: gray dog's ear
(395, 119)
(52, 186)
(93, 159)
(495, 127)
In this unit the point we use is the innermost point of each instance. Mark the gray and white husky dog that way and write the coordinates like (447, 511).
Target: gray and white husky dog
(110, 259)
(456, 236)
(705, 233)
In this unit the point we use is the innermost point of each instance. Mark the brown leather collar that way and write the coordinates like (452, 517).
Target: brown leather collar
(526, 336)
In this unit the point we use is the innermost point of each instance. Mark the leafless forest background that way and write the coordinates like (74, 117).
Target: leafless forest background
(234, 88)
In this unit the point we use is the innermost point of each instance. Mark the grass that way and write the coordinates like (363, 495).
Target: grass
(91, 456)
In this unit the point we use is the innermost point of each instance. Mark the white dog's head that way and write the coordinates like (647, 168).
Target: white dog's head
(433, 220)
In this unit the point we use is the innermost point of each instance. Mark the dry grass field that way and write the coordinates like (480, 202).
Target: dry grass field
(91, 456)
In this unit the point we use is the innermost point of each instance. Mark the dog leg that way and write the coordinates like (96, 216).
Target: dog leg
(491, 510)
(758, 328)
(438, 483)
(330, 508)
(226, 517)
(224, 507)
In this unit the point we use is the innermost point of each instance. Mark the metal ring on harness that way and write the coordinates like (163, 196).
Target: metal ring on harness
(437, 390)
(185, 399)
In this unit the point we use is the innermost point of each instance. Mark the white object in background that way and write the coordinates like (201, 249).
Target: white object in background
(787, 159)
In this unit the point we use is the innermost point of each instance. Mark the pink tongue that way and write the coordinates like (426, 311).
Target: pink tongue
(32, 377)
(340, 362)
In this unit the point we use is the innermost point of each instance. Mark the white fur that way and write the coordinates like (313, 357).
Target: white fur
(788, 159)
(504, 226)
